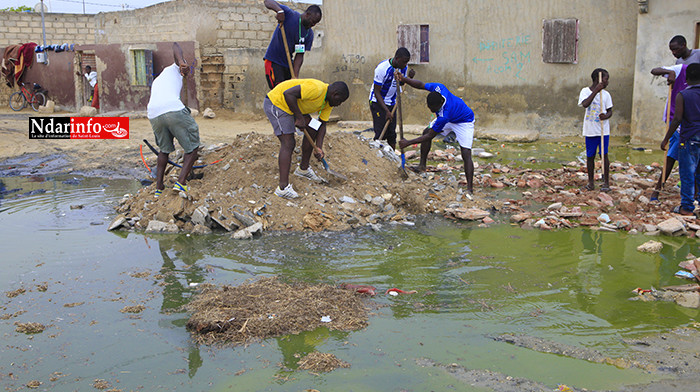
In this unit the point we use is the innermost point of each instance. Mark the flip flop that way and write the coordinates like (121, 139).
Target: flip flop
(605, 189)
(180, 187)
(158, 192)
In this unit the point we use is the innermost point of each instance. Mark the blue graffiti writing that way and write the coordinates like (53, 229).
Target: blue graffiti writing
(505, 43)
(510, 61)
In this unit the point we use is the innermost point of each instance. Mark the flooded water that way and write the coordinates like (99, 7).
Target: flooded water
(571, 287)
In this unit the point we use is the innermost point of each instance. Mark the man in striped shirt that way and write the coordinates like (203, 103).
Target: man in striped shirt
(382, 96)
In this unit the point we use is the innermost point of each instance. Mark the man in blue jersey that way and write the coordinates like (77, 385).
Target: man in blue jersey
(453, 115)
(299, 35)
(382, 96)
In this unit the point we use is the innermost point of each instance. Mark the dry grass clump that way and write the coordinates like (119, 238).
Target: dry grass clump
(101, 384)
(321, 362)
(133, 309)
(14, 293)
(268, 308)
(29, 327)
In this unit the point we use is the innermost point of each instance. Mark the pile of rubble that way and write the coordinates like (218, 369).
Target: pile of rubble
(236, 193)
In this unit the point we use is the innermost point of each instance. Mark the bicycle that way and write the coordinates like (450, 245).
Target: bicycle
(20, 99)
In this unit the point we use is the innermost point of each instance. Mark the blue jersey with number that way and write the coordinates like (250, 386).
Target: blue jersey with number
(454, 110)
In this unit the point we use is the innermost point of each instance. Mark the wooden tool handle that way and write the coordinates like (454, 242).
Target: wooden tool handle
(668, 123)
(286, 50)
(602, 128)
(398, 103)
(388, 121)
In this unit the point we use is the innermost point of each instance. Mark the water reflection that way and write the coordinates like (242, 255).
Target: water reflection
(176, 289)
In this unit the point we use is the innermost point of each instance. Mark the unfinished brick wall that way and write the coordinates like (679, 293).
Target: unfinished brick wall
(216, 26)
(23, 27)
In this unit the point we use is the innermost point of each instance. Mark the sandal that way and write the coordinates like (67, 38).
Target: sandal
(180, 187)
(679, 210)
(158, 192)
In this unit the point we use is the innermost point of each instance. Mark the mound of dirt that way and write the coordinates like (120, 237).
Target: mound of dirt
(268, 308)
(237, 191)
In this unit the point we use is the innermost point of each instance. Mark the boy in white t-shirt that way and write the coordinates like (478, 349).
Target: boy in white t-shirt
(596, 118)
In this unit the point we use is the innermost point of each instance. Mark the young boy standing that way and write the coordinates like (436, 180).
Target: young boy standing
(687, 115)
(595, 120)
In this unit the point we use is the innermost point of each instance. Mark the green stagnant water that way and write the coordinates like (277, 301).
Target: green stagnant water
(568, 286)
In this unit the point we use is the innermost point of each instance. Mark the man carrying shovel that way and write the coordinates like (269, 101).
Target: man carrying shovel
(288, 106)
(382, 95)
(298, 38)
(453, 115)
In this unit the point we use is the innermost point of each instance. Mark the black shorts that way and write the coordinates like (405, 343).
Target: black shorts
(276, 74)
(379, 120)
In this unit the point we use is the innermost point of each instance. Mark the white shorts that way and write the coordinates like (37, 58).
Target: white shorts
(464, 132)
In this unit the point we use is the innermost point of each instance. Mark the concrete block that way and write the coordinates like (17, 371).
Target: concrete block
(49, 108)
(672, 226)
(87, 111)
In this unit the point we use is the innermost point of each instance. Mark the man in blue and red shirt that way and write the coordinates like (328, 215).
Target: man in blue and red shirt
(453, 115)
(300, 38)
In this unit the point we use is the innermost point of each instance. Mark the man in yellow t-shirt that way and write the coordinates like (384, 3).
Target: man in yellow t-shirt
(289, 106)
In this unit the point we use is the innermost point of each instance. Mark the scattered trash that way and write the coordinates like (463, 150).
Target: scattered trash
(684, 274)
(395, 291)
(360, 288)
(325, 319)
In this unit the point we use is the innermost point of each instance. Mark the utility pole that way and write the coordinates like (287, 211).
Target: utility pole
(43, 33)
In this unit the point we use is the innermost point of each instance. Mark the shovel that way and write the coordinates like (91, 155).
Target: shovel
(323, 160)
(402, 172)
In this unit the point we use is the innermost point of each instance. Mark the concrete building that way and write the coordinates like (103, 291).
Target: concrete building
(519, 65)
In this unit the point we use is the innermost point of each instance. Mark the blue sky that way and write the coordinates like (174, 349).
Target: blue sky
(91, 6)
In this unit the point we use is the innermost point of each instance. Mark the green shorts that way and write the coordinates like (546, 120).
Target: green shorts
(179, 125)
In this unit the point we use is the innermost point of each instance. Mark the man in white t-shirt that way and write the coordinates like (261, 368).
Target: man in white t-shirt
(91, 77)
(596, 125)
(171, 119)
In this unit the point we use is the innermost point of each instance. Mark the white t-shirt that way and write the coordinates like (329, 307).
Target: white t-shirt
(92, 78)
(165, 92)
(591, 121)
